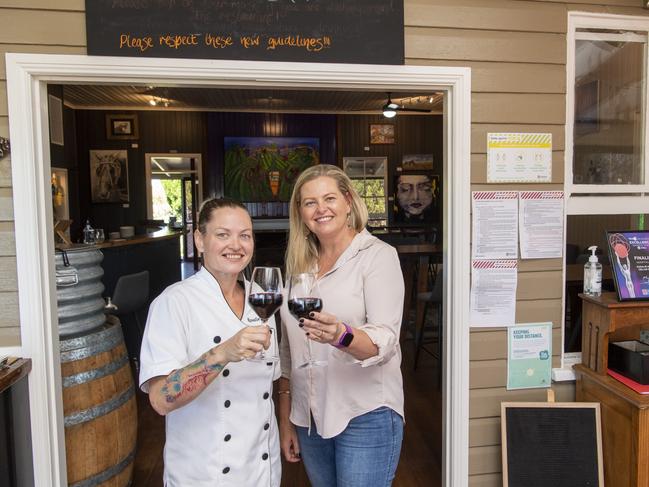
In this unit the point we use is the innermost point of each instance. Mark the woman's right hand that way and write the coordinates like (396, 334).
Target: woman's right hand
(288, 442)
(245, 344)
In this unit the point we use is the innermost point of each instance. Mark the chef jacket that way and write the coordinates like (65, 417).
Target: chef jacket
(227, 435)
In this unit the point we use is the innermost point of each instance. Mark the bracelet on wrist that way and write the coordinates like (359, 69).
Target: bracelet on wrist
(283, 392)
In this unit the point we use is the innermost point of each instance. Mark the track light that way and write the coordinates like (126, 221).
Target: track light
(153, 102)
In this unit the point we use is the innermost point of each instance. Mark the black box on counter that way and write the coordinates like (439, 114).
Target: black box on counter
(631, 359)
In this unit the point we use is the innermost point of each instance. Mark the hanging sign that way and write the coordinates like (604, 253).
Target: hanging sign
(337, 31)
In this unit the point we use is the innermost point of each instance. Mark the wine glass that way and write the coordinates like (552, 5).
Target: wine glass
(303, 298)
(265, 298)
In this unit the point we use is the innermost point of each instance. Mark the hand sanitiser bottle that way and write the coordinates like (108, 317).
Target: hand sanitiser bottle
(593, 274)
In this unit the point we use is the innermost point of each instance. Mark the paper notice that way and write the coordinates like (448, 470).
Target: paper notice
(529, 363)
(519, 158)
(493, 292)
(495, 225)
(541, 224)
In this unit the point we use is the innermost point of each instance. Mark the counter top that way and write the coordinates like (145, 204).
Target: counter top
(123, 242)
(13, 371)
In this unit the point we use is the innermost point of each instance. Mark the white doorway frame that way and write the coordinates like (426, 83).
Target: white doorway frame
(27, 76)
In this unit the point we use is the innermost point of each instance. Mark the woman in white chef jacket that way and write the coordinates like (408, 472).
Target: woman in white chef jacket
(220, 419)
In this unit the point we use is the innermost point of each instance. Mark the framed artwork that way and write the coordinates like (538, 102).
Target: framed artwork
(417, 162)
(55, 115)
(417, 197)
(628, 252)
(264, 169)
(587, 108)
(109, 176)
(121, 127)
(382, 133)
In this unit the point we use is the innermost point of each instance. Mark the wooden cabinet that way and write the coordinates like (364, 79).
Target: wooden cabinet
(625, 427)
(625, 413)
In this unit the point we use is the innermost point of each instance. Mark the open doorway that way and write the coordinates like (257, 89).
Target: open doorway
(34, 260)
(174, 192)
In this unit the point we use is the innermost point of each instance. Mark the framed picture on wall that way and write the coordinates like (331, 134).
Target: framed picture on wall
(109, 176)
(417, 197)
(55, 112)
(417, 162)
(121, 127)
(382, 133)
(264, 169)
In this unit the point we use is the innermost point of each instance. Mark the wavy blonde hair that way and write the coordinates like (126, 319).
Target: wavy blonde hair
(303, 246)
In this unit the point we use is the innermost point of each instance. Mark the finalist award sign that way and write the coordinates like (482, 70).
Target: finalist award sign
(629, 255)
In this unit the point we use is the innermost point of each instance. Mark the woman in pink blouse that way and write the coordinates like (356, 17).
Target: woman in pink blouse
(344, 419)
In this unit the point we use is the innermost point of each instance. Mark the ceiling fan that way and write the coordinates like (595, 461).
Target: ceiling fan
(390, 108)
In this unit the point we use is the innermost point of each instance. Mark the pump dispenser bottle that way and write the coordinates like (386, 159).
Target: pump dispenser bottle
(593, 274)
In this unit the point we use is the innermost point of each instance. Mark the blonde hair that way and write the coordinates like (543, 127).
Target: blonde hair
(303, 246)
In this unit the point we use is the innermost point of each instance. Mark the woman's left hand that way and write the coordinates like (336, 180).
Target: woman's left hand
(322, 327)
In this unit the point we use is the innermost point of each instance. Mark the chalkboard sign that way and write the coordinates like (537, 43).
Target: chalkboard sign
(551, 444)
(342, 31)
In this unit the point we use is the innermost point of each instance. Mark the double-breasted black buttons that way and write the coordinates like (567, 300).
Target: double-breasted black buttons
(226, 372)
(264, 456)
(266, 395)
(226, 469)
(270, 364)
(266, 426)
(217, 339)
(227, 403)
(227, 437)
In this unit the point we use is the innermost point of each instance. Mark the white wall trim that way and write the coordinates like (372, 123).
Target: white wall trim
(27, 75)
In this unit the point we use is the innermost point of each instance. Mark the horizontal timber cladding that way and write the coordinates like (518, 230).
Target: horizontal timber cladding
(509, 77)
(49, 27)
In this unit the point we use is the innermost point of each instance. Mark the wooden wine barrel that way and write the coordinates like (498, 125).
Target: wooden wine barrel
(99, 407)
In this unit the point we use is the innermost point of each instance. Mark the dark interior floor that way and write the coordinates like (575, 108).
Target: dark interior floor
(420, 463)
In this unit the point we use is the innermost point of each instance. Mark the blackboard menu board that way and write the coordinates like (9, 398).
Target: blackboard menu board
(551, 445)
(340, 31)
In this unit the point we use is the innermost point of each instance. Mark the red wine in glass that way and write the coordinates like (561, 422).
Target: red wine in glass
(265, 298)
(303, 298)
(265, 304)
(301, 307)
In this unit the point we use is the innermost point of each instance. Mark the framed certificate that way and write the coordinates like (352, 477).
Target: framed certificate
(628, 252)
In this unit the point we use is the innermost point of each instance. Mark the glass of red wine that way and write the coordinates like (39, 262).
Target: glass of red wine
(303, 298)
(265, 298)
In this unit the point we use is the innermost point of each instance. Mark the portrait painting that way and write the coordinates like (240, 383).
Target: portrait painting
(416, 197)
(109, 176)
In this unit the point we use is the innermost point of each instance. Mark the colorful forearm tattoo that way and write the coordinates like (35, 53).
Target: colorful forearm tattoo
(195, 378)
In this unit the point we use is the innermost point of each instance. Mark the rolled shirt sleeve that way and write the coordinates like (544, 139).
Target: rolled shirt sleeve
(383, 291)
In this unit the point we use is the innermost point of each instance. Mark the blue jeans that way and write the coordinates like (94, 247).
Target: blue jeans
(365, 454)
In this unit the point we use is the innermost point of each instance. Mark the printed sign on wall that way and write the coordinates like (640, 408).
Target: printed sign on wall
(519, 158)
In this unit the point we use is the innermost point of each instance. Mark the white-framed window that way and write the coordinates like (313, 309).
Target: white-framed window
(606, 139)
(369, 176)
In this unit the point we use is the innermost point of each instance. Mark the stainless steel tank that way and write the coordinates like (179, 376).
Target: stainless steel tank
(79, 290)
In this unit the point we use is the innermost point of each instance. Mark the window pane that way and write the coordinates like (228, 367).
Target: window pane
(609, 112)
(375, 187)
(359, 186)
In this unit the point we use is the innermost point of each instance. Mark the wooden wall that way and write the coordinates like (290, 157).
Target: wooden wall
(159, 131)
(517, 51)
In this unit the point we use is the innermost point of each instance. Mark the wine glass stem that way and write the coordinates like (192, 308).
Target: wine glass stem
(310, 353)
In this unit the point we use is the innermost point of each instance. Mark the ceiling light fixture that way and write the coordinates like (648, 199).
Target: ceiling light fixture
(390, 108)
(153, 102)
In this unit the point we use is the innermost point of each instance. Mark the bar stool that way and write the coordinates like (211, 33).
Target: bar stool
(130, 296)
(432, 298)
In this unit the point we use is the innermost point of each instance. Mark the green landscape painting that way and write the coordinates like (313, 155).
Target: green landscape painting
(265, 168)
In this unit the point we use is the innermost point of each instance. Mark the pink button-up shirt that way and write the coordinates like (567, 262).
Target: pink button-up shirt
(365, 290)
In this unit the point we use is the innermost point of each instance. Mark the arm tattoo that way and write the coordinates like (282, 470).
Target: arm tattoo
(196, 376)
